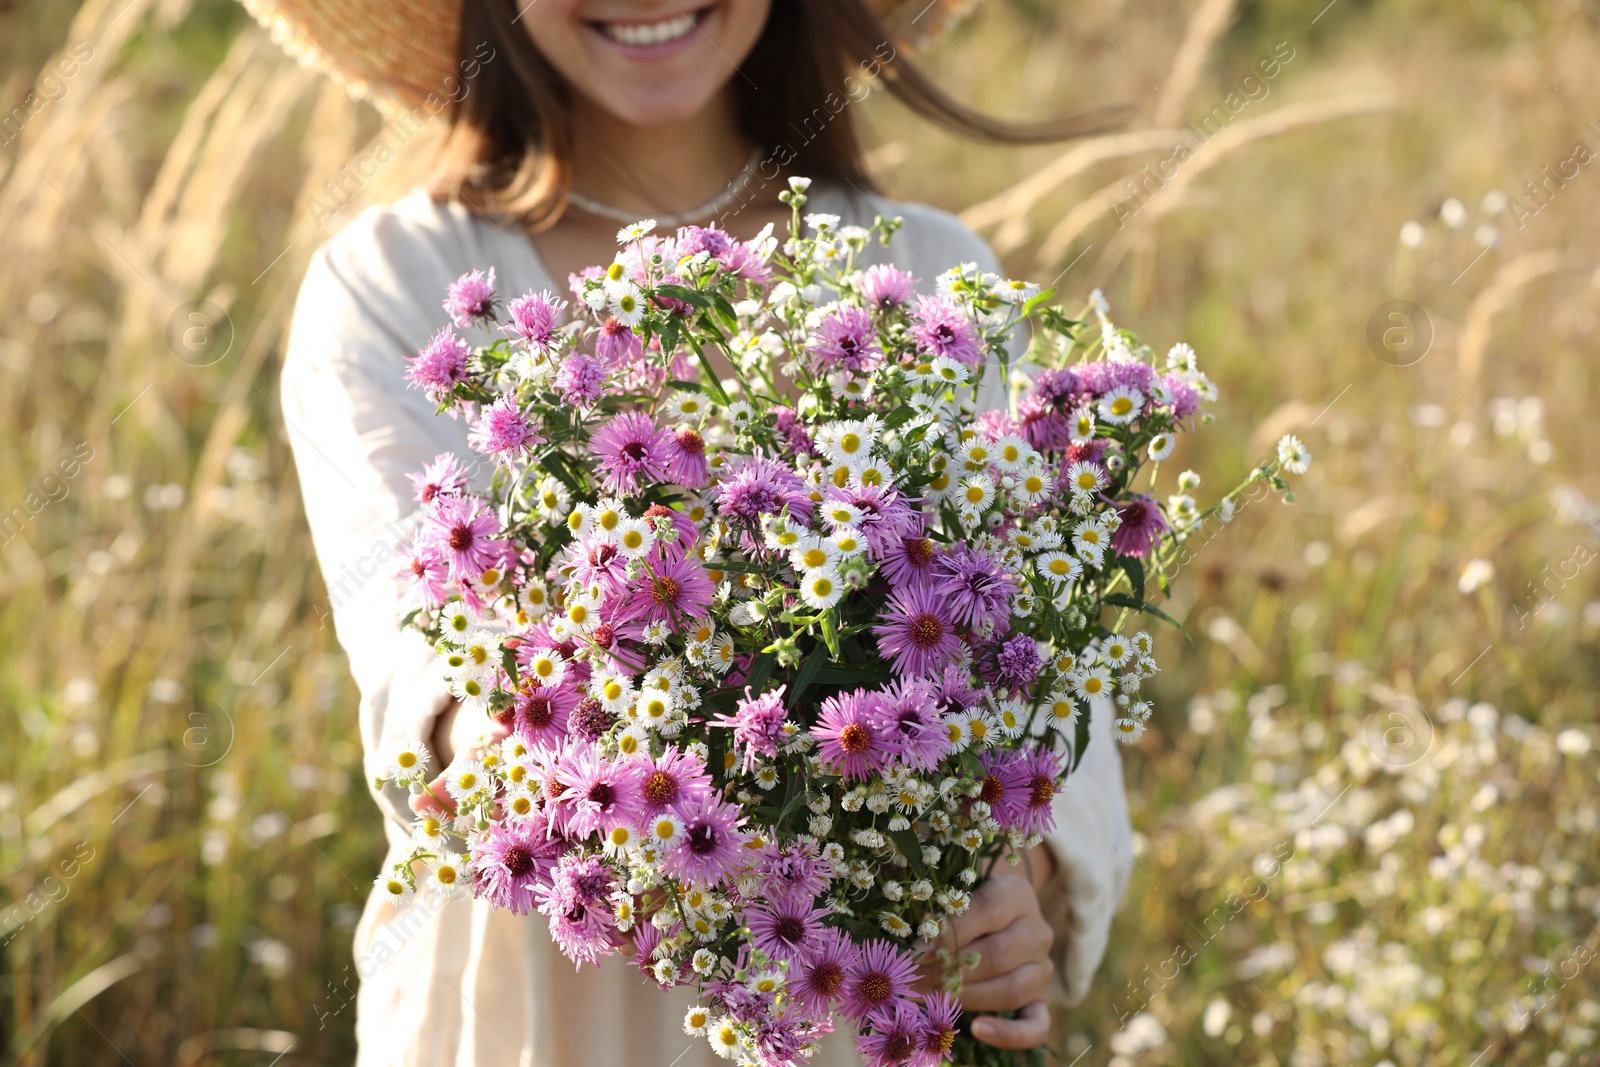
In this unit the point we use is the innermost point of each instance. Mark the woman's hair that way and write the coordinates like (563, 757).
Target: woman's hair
(508, 149)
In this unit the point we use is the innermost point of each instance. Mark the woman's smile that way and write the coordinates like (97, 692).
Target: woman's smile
(650, 38)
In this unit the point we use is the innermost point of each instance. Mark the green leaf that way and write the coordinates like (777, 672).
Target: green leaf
(685, 294)
(1080, 738)
(1135, 572)
(508, 660)
(1037, 302)
(906, 841)
(808, 674)
(760, 671)
(899, 416)
(1123, 600)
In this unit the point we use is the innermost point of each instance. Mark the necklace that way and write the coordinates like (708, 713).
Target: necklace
(710, 207)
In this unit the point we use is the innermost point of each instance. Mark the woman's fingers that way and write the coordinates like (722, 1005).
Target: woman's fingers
(434, 798)
(1030, 1029)
(1027, 940)
(1009, 991)
(995, 905)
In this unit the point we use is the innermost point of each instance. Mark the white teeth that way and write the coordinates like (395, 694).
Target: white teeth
(646, 34)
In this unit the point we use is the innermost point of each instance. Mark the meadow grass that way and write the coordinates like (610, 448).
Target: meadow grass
(1367, 808)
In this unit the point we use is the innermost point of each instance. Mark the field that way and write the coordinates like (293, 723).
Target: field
(1367, 810)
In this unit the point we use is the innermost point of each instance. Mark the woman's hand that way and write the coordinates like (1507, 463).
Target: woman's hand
(456, 733)
(1005, 927)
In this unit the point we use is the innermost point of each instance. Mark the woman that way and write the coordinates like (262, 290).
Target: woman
(567, 117)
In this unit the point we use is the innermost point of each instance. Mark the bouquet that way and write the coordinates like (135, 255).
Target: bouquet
(787, 656)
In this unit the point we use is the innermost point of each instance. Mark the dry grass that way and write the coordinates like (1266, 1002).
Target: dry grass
(181, 727)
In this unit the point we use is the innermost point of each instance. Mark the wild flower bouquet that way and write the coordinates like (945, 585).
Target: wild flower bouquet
(787, 661)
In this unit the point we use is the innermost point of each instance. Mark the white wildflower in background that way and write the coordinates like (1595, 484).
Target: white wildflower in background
(1475, 575)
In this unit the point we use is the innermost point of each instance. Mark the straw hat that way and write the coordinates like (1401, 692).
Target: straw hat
(401, 51)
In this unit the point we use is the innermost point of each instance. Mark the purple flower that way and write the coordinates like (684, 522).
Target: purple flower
(470, 297)
(589, 720)
(794, 432)
(941, 1011)
(886, 518)
(534, 317)
(909, 716)
(895, 1036)
(880, 976)
(850, 734)
(940, 328)
(600, 794)
(439, 365)
(630, 447)
(1030, 785)
(1103, 375)
(1056, 386)
(580, 381)
(577, 903)
(1019, 662)
(910, 562)
(540, 712)
(686, 458)
(1043, 426)
(799, 872)
(759, 486)
(462, 529)
(885, 285)
(617, 346)
(512, 860)
(845, 341)
(672, 779)
(742, 260)
(1142, 526)
(819, 981)
(692, 240)
(711, 849)
(996, 424)
(502, 429)
(1185, 398)
(917, 632)
(424, 571)
(787, 930)
(675, 587)
(445, 476)
(757, 725)
(974, 586)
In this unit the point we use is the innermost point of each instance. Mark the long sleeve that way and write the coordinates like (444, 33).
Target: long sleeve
(356, 431)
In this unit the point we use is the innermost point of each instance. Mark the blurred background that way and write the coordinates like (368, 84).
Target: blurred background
(1367, 814)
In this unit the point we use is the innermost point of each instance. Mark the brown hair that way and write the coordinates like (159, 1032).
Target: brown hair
(508, 148)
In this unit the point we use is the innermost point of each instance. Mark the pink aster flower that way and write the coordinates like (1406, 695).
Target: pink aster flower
(909, 714)
(1030, 785)
(1185, 398)
(1142, 526)
(757, 725)
(1019, 662)
(818, 982)
(686, 458)
(630, 448)
(845, 341)
(941, 1012)
(884, 285)
(798, 871)
(424, 573)
(534, 317)
(758, 486)
(462, 529)
(917, 632)
(788, 930)
(512, 860)
(617, 346)
(896, 1036)
(885, 515)
(577, 903)
(600, 794)
(445, 476)
(503, 430)
(470, 298)
(711, 849)
(581, 381)
(940, 328)
(1043, 426)
(909, 561)
(589, 720)
(880, 976)
(851, 736)
(673, 779)
(974, 585)
(540, 712)
(674, 587)
(439, 365)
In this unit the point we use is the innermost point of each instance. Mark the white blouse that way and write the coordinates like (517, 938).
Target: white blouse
(461, 984)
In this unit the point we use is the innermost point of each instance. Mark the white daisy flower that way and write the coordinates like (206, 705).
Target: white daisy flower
(847, 441)
(632, 739)
(393, 888)
(620, 840)
(1293, 454)
(1086, 477)
(1181, 357)
(724, 1038)
(1121, 405)
(685, 406)
(1095, 681)
(977, 493)
(608, 514)
(635, 231)
(547, 665)
(654, 707)
(455, 619)
(1128, 729)
(821, 588)
(841, 514)
(1031, 486)
(946, 371)
(1017, 291)
(469, 778)
(1061, 712)
(666, 830)
(627, 302)
(1117, 650)
(1058, 567)
(813, 553)
(1012, 453)
(448, 876)
(1089, 540)
(409, 759)
(634, 538)
(1161, 446)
